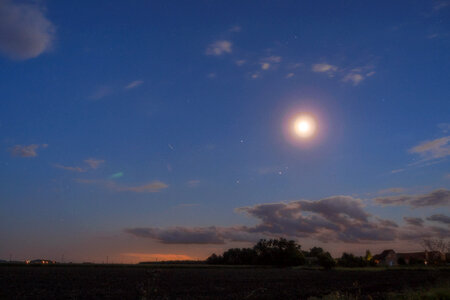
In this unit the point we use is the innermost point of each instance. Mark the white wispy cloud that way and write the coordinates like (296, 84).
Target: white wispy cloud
(328, 69)
(25, 32)
(193, 183)
(101, 92)
(69, 168)
(26, 150)
(434, 149)
(355, 78)
(150, 187)
(240, 62)
(94, 163)
(90, 163)
(219, 48)
(134, 84)
(289, 75)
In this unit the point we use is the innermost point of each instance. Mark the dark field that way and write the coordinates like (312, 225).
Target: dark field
(177, 282)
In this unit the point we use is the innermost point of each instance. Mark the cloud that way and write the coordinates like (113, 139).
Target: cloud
(235, 29)
(151, 187)
(134, 84)
(211, 75)
(434, 149)
(25, 32)
(355, 78)
(440, 5)
(440, 197)
(219, 48)
(94, 163)
(440, 218)
(240, 62)
(324, 68)
(26, 150)
(68, 168)
(180, 235)
(193, 183)
(289, 75)
(101, 92)
(413, 221)
(332, 219)
(265, 66)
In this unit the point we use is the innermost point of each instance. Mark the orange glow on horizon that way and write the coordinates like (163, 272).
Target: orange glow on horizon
(157, 256)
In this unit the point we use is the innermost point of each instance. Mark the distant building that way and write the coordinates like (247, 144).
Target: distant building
(386, 258)
(41, 262)
(390, 258)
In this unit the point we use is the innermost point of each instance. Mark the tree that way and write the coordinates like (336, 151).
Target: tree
(440, 245)
(368, 256)
(326, 261)
(315, 252)
(351, 261)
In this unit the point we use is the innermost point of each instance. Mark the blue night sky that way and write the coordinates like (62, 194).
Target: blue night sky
(166, 129)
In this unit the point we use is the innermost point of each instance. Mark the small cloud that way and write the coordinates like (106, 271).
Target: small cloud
(255, 75)
(290, 75)
(134, 84)
(440, 5)
(68, 168)
(355, 78)
(265, 66)
(26, 150)
(273, 59)
(440, 197)
(397, 171)
(413, 221)
(151, 187)
(330, 70)
(193, 183)
(240, 62)
(371, 73)
(212, 75)
(432, 36)
(94, 163)
(25, 32)
(440, 218)
(434, 149)
(219, 48)
(235, 29)
(320, 68)
(180, 235)
(101, 92)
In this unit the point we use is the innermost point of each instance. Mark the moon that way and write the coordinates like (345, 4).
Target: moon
(304, 126)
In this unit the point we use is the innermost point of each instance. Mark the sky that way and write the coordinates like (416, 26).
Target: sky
(155, 130)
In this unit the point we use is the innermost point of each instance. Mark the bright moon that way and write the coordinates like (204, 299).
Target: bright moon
(304, 126)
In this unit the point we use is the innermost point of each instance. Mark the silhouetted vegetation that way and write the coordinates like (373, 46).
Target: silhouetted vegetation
(351, 261)
(279, 252)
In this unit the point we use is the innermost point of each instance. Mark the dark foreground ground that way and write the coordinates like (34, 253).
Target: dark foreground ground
(153, 282)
